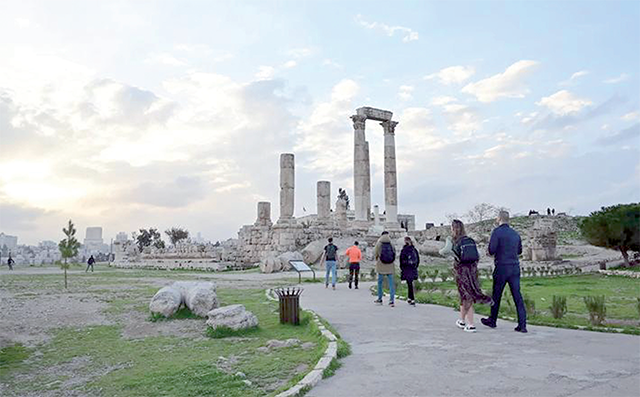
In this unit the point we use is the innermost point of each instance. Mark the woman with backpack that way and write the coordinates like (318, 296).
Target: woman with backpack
(466, 258)
(385, 256)
(409, 261)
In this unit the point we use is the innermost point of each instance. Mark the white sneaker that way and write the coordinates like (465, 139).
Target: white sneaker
(469, 328)
(460, 324)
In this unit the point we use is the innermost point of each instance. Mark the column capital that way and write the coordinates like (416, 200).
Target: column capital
(358, 121)
(389, 127)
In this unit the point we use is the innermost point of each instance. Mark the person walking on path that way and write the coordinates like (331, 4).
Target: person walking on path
(90, 263)
(385, 255)
(465, 254)
(409, 261)
(355, 256)
(10, 262)
(505, 246)
(330, 255)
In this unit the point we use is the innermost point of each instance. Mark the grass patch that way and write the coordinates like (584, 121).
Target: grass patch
(224, 332)
(182, 314)
(331, 369)
(344, 349)
(11, 357)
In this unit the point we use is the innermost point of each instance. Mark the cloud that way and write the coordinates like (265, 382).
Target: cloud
(299, 53)
(16, 218)
(452, 74)
(405, 92)
(329, 62)
(563, 103)
(615, 80)
(179, 192)
(290, 64)
(632, 132)
(265, 72)
(461, 119)
(165, 58)
(574, 77)
(407, 33)
(556, 121)
(509, 84)
(631, 116)
(442, 100)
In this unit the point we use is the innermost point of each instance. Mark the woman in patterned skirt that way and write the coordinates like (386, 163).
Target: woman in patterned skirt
(466, 279)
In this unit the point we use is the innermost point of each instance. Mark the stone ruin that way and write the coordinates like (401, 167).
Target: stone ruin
(542, 241)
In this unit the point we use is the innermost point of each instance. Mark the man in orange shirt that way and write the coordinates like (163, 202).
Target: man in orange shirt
(354, 255)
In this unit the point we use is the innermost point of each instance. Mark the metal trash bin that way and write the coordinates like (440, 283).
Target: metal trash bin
(289, 299)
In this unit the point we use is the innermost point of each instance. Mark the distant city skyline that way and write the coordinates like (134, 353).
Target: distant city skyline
(140, 114)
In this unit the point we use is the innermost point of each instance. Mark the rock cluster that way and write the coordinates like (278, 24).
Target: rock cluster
(199, 297)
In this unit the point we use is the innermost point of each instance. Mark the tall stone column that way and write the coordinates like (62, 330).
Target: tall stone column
(264, 213)
(324, 200)
(287, 186)
(360, 169)
(390, 175)
(366, 202)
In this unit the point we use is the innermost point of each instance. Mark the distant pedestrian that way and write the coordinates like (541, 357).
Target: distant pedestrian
(330, 256)
(505, 246)
(466, 257)
(354, 256)
(385, 256)
(409, 261)
(553, 211)
(548, 211)
(10, 262)
(90, 263)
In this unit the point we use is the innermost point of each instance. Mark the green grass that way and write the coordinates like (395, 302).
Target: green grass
(331, 369)
(621, 297)
(181, 314)
(155, 365)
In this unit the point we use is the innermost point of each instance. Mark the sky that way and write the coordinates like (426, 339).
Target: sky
(139, 114)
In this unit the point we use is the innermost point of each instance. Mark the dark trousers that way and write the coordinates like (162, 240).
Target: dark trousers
(410, 295)
(90, 265)
(502, 275)
(354, 271)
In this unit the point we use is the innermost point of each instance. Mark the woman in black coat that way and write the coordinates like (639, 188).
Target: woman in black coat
(409, 261)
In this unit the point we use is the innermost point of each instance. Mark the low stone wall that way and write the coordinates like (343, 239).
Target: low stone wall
(176, 264)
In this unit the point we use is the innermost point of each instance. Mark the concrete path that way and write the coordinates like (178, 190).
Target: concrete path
(418, 351)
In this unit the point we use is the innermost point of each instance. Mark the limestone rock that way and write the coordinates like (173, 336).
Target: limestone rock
(286, 257)
(312, 253)
(277, 344)
(166, 301)
(431, 248)
(235, 317)
(201, 298)
(270, 264)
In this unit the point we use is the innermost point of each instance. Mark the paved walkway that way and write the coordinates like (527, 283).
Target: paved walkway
(418, 351)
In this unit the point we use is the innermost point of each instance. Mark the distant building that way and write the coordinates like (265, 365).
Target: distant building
(93, 242)
(122, 237)
(10, 241)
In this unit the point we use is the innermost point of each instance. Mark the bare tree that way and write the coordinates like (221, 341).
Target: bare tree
(450, 217)
(481, 212)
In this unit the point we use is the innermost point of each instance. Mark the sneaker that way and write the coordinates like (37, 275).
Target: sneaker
(333, 286)
(378, 301)
(518, 329)
(413, 303)
(488, 322)
(356, 286)
(349, 285)
(469, 328)
(391, 304)
(326, 285)
(461, 324)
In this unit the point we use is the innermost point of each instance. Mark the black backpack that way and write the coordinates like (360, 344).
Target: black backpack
(387, 255)
(331, 250)
(412, 257)
(466, 250)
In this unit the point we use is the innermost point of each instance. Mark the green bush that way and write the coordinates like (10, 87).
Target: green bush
(530, 305)
(638, 306)
(558, 306)
(597, 309)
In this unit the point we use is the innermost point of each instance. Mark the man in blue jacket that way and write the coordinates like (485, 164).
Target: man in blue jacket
(505, 246)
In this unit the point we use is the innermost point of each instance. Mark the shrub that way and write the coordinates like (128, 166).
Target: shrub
(638, 306)
(433, 276)
(597, 309)
(530, 305)
(444, 276)
(558, 306)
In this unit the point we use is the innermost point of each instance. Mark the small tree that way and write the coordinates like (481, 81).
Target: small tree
(481, 212)
(176, 234)
(68, 248)
(342, 193)
(148, 237)
(616, 227)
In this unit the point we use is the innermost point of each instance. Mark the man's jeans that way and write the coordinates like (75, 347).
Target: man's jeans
(331, 267)
(502, 275)
(392, 287)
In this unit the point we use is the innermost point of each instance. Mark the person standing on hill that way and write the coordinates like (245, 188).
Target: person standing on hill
(10, 262)
(505, 246)
(409, 261)
(330, 255)
(355, 256)
(385, 256)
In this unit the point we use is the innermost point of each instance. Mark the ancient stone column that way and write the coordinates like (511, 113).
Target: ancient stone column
(360, 169)
(366, 201)
(264, 213)
(287, 186)
(390, 176)
(324, 200)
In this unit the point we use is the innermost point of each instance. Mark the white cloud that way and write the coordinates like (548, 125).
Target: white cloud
(615, 80)
(405, 92)
(563, 103)
(165, 59)
(408, 33)
(631, 116)
(509, 84)
(298, 53)
(462, 119)
(265, 72)
(574, 77)
(529, 118)
(329, 62)
(290, 64)
(442, 100)
(452, 74)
